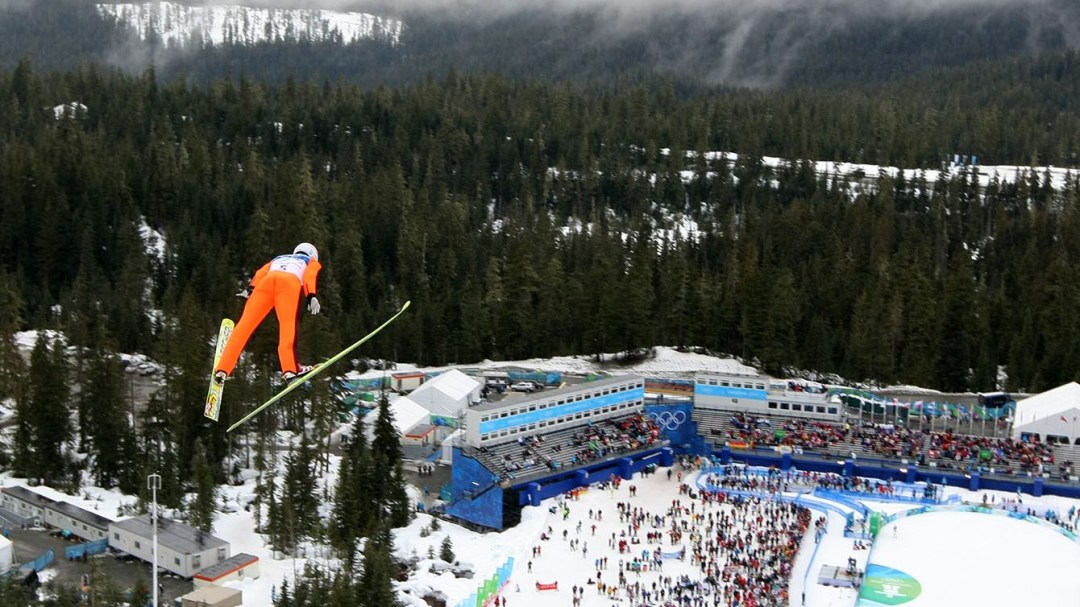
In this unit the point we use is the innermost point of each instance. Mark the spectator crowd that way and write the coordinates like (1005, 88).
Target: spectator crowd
(946, 449)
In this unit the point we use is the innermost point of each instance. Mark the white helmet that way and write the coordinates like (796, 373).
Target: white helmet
(306, 248)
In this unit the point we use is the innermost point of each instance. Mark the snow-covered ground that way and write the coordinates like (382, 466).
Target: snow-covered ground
(949, 554)
(667, 362)
(1058, 177)
(958, 558)
(955, 558)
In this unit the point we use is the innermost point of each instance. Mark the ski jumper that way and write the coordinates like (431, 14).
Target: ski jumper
(278, 285)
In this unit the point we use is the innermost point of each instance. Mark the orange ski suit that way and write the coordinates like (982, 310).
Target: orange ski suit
(278, 285)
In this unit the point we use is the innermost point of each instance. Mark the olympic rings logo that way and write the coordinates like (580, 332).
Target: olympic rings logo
(669, 420)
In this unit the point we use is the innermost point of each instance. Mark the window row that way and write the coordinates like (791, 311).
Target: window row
(573, 398)
(733, 384)
(801, 407)
(560, 421)
(1055, 439)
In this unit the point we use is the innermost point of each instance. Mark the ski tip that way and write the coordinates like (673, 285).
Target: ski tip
(406, 306)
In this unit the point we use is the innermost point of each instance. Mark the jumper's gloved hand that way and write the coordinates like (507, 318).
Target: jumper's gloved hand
(313, 305)
(244, 294)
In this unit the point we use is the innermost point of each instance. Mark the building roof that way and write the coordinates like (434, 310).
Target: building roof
(405, 413)
(82, 514)
(1051, 403)
(419, 430)
(211, 594)
(447, 393)
(517, 399)
(175, 535)
(227, 566)
(28, 495)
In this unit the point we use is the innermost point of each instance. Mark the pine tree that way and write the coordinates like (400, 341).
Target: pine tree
(376, 580)
(274, 523)
(284, 599)
(108, 430)
(13, 593)
(171, 493)
(201, 510)
(12, 365)
(446, 550)
(958, 327)
(387, 456)
(186, 354)
(921, 331)
(141, 593)
(45, 421)
(299, 498)
(354, 510)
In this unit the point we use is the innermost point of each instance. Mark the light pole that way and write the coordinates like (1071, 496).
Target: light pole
(153, 482)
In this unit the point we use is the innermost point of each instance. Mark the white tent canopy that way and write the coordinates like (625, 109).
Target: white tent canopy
(405, 413)
(1054, 415)
(447, 394)
(7, 554)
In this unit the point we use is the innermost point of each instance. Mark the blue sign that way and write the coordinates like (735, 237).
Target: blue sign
(554, 412)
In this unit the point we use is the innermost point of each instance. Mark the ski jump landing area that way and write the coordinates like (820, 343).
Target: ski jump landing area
(949, 557)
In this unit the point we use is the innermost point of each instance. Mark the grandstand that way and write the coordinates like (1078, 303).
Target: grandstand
(761, 394)
(528, 447)
(568, 447)
(525, 447)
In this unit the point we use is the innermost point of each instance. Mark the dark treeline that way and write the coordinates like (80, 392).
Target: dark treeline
(525, 219)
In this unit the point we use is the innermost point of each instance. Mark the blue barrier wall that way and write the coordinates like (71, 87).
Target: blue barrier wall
(40, 562)
(532, 492)
(86, 549)
(475, 495)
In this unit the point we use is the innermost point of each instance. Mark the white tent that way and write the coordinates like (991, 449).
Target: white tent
(447, 394)
(1054, 415)
(7, 554)
(405, 413)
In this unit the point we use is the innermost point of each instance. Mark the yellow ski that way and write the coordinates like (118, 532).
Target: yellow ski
(213, 396)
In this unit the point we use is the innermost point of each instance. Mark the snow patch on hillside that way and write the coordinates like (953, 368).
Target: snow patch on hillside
(663, 361)
(180, 25)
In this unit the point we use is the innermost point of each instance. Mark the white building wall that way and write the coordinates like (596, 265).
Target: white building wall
(1053, 428)
(22, 508)
(79, 528)
(184, 565)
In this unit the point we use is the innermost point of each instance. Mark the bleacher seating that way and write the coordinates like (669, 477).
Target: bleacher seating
(569, 448)
(947, 451)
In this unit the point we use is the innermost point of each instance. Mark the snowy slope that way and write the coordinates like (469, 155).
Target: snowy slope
(665, 362)
(180, 25)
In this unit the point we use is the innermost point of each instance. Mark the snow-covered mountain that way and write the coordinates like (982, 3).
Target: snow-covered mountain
(180, 25)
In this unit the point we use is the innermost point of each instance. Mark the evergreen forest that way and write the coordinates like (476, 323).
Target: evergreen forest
(528, 219)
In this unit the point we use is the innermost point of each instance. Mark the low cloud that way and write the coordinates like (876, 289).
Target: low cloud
(749, 42)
